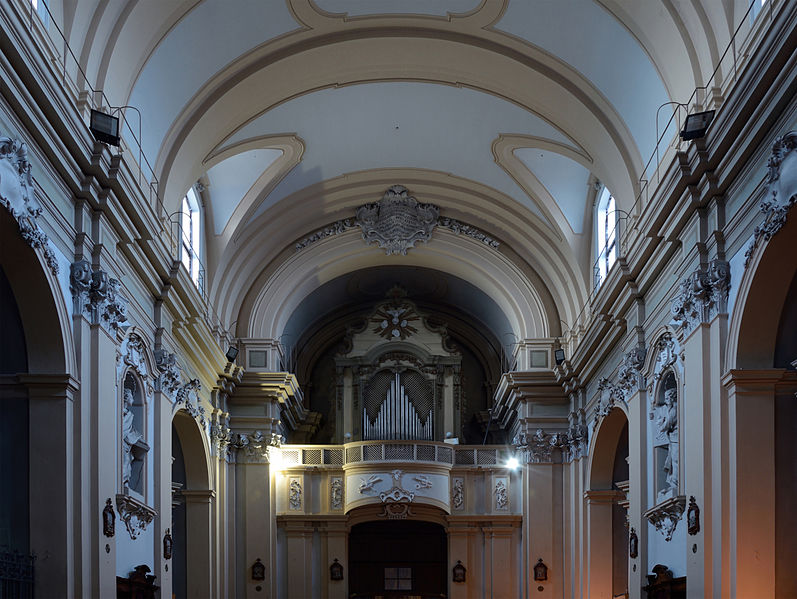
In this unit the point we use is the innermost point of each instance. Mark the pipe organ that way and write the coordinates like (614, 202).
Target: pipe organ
(398, 377)
(399, 417)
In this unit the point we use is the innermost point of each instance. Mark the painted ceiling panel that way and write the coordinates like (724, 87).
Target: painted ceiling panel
(398, 125)
(209, 37)
(588, 38)
(565, 179)
(376, 7)
(230, 179)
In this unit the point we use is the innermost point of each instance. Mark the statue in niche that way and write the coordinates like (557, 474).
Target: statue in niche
(130, 437)
(667, 425)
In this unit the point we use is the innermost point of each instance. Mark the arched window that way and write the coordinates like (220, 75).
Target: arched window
(40, 8)
(190, 233)
(606, 236)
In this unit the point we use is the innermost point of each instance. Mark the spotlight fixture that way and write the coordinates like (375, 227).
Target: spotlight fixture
(559, 356)
(104, 127)
(696, 125)
(513, 463)
(232, 353)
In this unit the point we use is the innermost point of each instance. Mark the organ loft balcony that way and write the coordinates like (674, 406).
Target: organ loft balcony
(394, 478)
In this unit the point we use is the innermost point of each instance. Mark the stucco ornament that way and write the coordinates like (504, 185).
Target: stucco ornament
(220, 433)
(187, 398)
(577, 442)
(609, 395)
(501, 495)
(666, 355)
(628, 375)
(254, 447)
(169, 380)
(781, 190)
(665, 516)
(99, 295)
(16, 194)
(295, 494)
(336, 493)
(398, 221)
(367, 484)
(702, 296)
(538, 448)
(134, 514)
(458, 494)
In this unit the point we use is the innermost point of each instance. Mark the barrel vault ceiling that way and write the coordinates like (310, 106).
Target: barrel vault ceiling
(505, 113)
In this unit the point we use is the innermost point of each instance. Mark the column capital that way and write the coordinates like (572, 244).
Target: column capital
(56, 386)
(603, 497)
(198, 496)
(753, 381)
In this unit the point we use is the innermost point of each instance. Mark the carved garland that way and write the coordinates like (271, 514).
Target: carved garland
(16, 194)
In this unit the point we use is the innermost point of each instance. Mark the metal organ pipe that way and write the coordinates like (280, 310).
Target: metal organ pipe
(397, 417)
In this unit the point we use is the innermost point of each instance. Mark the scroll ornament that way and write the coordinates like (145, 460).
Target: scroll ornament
(16, 194)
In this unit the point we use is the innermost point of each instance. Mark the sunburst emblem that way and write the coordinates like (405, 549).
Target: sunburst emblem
(393, 321)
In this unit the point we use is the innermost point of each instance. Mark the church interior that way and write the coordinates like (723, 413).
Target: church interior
(409, 299)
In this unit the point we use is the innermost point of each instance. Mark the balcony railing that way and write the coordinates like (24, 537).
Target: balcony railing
(374, 452)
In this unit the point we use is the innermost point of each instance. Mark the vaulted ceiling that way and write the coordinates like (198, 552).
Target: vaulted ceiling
(505, 113)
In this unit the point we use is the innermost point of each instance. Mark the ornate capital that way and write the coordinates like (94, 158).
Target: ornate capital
(220, 434)
(99, 295)
(665, 516)
(254, 448)
(781, 188)
(539, 446)
(134, 514)
(577, 442)
(16, 194)
(703, 295)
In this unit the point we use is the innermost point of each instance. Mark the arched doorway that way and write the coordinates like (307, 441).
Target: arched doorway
(37, 409)
(397, 558)
(761, 384)
(191, 511)
(607, 508)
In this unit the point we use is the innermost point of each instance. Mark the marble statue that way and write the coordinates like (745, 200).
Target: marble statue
(667, 424)
(130, 436)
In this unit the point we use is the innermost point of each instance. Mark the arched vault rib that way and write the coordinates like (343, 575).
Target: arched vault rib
(537, 83)
(464, 258)
(547, 263)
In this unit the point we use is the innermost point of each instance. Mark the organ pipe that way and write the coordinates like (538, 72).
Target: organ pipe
(397, 418)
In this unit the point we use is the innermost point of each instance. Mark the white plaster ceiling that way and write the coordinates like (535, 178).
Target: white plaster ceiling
(230, 179)
(204, 41)
(507, 109)
(404, 125)
(565, 179)
(587, 37)
(374, 7)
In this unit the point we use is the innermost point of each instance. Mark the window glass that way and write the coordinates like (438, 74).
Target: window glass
(190, 237)
(606, 236)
